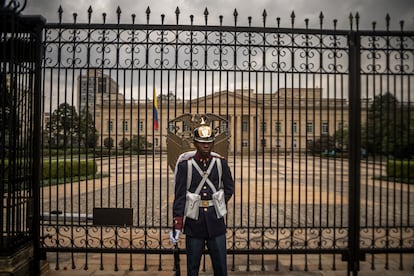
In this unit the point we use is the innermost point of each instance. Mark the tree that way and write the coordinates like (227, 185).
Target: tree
(124, 143)
(108, 143)
(389, 127)
(88, 133)
(170, 97)
(139, 143)
(341, 138)
(323, 143)
(63, 126)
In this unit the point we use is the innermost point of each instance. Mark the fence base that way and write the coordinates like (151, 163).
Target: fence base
(21, 263)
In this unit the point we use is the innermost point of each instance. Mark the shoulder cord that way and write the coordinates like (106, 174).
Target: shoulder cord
(204, 174)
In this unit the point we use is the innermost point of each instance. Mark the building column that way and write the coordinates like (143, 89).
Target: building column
(238, 133)
(252, 134)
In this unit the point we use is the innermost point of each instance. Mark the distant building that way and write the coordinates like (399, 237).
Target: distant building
(95, 87)
(288, 119)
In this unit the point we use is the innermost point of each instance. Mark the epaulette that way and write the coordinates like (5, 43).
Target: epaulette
(215, 154)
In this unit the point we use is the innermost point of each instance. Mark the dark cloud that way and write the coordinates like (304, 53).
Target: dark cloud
(369, 11)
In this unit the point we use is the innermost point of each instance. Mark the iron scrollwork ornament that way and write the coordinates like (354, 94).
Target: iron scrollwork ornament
(13, 5)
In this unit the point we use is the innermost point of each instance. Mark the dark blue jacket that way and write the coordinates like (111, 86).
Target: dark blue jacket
(207, 225)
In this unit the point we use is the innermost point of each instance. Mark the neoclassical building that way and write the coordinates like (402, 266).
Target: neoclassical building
(287, 119)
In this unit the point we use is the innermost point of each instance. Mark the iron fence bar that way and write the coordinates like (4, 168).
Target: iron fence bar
(354, 152)
(234, 123)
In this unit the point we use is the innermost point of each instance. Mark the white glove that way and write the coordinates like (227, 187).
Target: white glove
(175, 236)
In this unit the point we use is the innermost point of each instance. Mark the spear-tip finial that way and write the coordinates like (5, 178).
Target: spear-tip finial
(89, 14)
(60, 12)
(321, 17)
(235, 14)
(357, 20)
(387, 21)
(177, 14)
(118, 12)
(264, 15)
(148, 12)
(292, 18)
(206, 15)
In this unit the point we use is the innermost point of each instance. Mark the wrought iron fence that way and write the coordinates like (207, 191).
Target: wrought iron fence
(316, 119)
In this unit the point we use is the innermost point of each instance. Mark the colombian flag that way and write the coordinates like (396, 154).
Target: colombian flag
(155, 111)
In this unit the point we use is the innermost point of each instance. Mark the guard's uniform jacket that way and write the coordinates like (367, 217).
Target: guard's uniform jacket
(207, 225)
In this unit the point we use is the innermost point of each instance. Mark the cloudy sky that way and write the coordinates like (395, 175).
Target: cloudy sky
(369, 11)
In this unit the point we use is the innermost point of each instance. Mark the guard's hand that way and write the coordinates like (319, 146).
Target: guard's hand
(175, 236)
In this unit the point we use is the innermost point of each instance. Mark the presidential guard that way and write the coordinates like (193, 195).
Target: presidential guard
(203, 186)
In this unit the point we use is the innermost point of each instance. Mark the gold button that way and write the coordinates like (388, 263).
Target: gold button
(205, 187)
(204, 194)
(205, 209)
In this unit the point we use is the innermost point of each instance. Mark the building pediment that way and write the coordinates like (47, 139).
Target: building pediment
(231, 98)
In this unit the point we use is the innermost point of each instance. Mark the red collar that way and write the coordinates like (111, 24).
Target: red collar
(201, 159)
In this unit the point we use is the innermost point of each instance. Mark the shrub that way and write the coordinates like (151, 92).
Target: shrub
(68, 168)
(400, 169)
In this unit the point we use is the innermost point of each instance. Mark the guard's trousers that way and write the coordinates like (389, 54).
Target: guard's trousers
(218, 253)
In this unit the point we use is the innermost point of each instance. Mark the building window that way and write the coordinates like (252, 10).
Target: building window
(124, 126)
(278, 143)
(263, 141)
(185, 127)
(245, 143)
(156, 142)
(309, 127)
(294, 127)
(171, 127)
(245, 126)
(264, 127)
(325, 128)
(224, 126)
(102, 86)
(278, 127)
(110, 126)
(141, 126)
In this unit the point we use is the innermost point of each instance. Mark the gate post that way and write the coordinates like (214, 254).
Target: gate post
(20, 132)
(354, 152)
(37, 134)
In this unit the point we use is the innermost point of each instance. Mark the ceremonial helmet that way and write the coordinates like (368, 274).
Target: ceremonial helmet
(203, 133)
